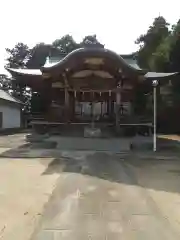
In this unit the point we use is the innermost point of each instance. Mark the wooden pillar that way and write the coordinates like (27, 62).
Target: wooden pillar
(102, 109)
(73, 102)
(66, 98)
(92, 110)
(108, 105)
(118, 103)
(66, 104)
(48, 93)
(112, 107)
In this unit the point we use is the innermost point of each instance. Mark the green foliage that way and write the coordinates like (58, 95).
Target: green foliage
(160, 51)
(160, 47)
(151, 40)
(21, 56)
(167, 54)
(159, 60)
(174, 53)
(18, 56)
(91, 40)
(5, 83)
(140, 100)
(38, 57)
(21, 93)
(66, 44)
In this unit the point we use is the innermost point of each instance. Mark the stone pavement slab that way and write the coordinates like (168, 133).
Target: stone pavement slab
(104, 202)
(160, 178)
(98, 195)
(24, 191)
(91, 144)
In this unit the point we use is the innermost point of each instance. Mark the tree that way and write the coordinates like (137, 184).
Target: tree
(151, 40)
(18, 58)
(174, 63)
(160, 51)
(18, 55)
(21, 93)
(66, 44)
(139, 101)
(91, 40)
(167, 55)
(174, 53)
(153, 53)
(5, 83)
(38, 55)
(159, 60)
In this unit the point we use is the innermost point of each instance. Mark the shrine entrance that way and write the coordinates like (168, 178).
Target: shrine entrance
(95, 109)
(94, 106)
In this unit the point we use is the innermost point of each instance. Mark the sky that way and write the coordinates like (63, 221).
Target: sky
(116, 23)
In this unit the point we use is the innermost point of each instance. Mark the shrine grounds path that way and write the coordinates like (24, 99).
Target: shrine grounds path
(87, 194)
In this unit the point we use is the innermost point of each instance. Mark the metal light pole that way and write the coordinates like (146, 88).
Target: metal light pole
(155, 83)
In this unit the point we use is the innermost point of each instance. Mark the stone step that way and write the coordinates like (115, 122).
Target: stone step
(92, 144)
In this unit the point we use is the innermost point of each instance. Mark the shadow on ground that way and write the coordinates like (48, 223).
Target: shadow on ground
(158, 173)
(30, 150)
(47, 148)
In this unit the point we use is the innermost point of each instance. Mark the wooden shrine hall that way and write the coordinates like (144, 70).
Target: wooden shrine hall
(90, 86)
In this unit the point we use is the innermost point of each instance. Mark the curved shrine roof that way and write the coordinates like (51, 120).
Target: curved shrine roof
(25, 71)
(77, 57)
(159, 75)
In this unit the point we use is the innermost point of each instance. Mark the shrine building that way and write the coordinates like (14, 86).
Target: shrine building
(89, 86)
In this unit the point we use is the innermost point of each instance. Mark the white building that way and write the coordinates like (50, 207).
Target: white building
(10, 111)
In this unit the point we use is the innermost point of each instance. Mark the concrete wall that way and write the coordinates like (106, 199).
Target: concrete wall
(11, 116)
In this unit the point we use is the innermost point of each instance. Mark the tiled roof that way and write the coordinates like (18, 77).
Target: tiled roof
(6, 96)
(34, 72)
(132, 62)
(127, 61)
(158, 75)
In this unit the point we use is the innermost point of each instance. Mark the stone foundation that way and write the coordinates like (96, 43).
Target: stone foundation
(36, 137)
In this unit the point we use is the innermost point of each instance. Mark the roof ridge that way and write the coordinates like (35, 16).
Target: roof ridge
(15, 99)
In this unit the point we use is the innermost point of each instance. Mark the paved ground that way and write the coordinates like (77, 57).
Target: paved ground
(23, 194)
(171, 137)
(96, 195)
(24, 191)
(160, 178)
